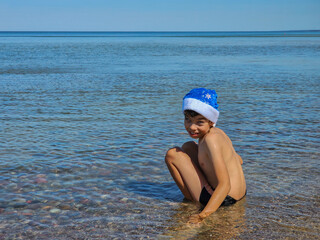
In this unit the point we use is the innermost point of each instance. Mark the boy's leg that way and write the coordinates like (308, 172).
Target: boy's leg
(191, 148)
(182, 164)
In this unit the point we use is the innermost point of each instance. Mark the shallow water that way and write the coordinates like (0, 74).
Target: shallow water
(85, 124)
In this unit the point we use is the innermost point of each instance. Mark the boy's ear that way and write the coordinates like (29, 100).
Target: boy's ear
(211, 124)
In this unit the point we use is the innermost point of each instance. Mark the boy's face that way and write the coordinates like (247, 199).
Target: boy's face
(197, 126)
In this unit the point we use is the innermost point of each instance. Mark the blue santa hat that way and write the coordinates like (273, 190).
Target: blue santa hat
(202, 101)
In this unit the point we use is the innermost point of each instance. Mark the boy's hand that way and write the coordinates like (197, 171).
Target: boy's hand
(195, 219)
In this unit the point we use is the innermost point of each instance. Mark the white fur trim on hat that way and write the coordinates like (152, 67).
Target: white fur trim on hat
(202, 108)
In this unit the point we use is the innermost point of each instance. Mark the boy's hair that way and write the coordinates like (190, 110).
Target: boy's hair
(190, 113)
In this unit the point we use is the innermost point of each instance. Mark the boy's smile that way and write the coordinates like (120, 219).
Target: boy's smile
(197, 126)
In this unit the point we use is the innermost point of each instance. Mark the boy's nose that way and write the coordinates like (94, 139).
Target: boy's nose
(192, 127)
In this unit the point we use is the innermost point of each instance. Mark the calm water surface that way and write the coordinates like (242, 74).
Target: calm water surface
(85, 124)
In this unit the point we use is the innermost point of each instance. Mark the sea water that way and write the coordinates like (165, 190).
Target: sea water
(86, 119)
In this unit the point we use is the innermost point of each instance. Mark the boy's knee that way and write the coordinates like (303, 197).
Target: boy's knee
(191, 145)
(172, 154)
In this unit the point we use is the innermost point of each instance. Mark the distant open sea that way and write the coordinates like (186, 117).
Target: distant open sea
(87, 117)
(305, 33)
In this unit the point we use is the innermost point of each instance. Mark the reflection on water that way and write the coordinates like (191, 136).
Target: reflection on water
(86, 122)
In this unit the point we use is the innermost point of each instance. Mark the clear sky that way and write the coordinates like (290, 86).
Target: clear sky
(159, 15)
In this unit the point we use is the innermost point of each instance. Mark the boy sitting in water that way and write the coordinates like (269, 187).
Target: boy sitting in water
(209, 172)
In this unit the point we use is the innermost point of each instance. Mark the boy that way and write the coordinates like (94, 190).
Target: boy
(209, 172)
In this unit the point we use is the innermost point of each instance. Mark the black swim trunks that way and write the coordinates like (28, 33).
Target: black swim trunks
(205, 196)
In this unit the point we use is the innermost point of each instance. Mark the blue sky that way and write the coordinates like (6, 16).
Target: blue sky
(159, 15)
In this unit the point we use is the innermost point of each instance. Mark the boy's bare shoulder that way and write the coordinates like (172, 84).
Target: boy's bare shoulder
(214, 138)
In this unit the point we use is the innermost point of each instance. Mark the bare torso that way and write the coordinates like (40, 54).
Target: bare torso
(232, 161)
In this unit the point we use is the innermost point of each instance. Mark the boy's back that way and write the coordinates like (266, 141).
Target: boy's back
(219, 142)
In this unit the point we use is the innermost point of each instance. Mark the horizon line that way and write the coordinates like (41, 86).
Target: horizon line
(161, 31)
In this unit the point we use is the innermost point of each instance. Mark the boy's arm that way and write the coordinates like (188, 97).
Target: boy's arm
(240, 159)
(214, 153)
